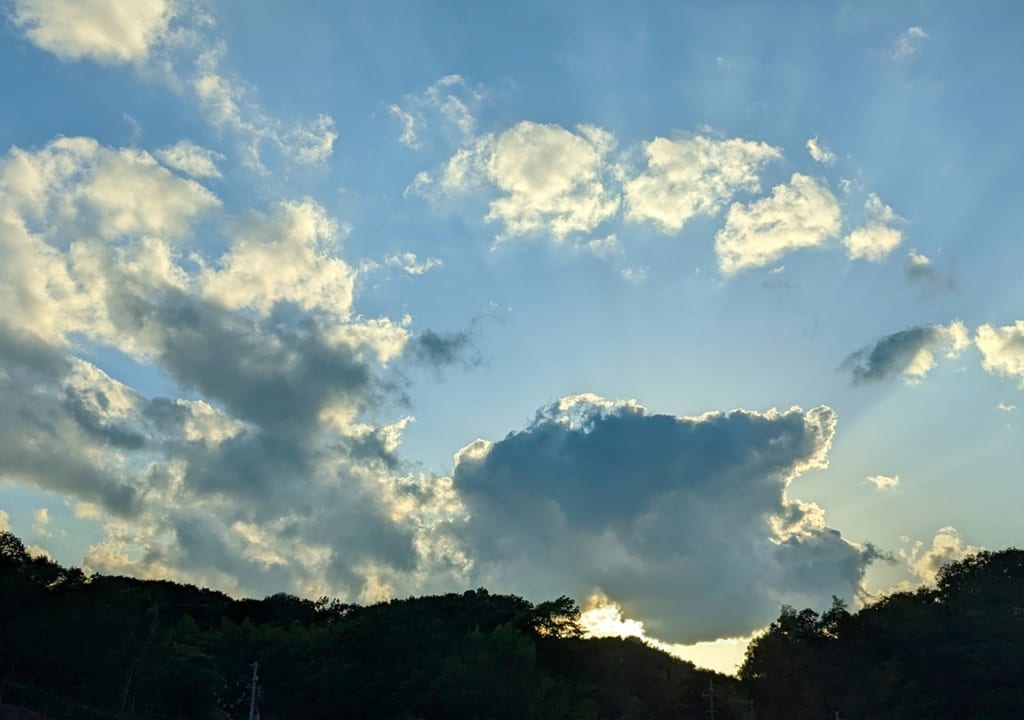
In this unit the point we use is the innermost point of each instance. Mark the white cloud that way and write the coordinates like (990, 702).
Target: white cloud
(884, 482)
(290, 256)
(408, 120)
(108, 31)
(820, 153)
(801, 214)
(5, 521)
(447, 107)
(947, 547)
(909, 43)
(552, 180)
(1002, 349)
(878, 237)
(683, 522)
(1005, 407)
(227, 105)
(636, 276)
(42, 516)
(191, 159)
(601, 247)
(693, 176)
(411, 264)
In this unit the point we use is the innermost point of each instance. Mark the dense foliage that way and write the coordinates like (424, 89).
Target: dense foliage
(114, 647)
(105, 647)
(952, 651)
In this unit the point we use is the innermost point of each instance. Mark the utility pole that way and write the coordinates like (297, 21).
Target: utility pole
(711, 712)
(254, 712)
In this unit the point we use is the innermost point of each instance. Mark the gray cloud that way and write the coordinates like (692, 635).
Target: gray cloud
(47, 437)
(920, 270)
(439, 350)
(908, 352)
(683, 521)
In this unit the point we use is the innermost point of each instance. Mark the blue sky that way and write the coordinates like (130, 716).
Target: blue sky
(687, 310)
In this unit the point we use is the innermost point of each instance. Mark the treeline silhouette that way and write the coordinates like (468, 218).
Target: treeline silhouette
(103, 647)
(116, 647)
(951, 652)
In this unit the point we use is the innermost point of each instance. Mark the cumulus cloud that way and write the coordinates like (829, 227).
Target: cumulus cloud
(692, 176)
(1002, 349)
(5, 521)
(884, 482)
(820, 153)
(800, 214)
(108, 31)
(947, 547)
(265, 452)
(191, 159)
(1005, 407)
(411, 264)
(878, 237)
(909, 352)
(682, 521)
(909, 43)
(549, 180)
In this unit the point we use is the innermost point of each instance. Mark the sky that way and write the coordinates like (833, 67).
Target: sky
(686, 310)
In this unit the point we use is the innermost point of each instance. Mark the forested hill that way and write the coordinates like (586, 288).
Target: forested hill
(114, 647)
(952, 652)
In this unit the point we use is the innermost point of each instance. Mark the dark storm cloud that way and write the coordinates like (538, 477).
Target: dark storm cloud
(683, 521)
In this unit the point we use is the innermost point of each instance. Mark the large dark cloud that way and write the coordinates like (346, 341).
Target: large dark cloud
(684, 521)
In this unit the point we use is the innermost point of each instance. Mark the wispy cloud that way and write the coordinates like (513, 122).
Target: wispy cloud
(909, 43)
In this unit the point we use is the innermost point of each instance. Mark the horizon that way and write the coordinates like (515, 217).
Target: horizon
(686, 312)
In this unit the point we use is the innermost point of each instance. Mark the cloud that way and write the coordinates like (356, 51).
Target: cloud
(1005, 407)
(448, 105)
(191, 159)
(5, 521)
(601, 247)
(693, 176)
(801, 214)
(919, 269)
(1002, 349)
(289, 256)
(549, 180)
(412, 265)
(227, 104)
(409, 121)
(107, 31)
(877, 238)
(908, 352)
(439, 350)
(909, 43)
(552, 180)
(266, 449)
(947, 547)
(820, 153)
(684, 522)
(884, 482)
